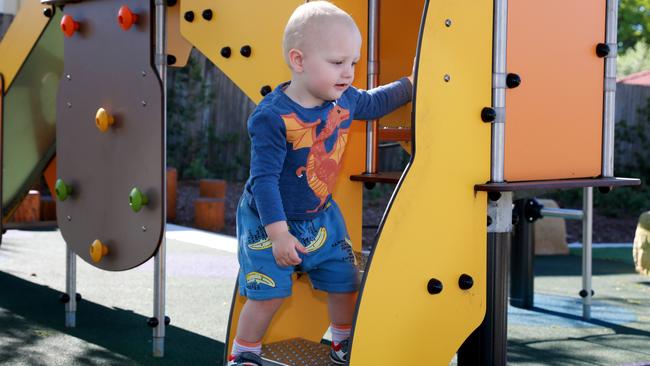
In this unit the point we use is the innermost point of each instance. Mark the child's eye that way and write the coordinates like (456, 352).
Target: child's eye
(337, 62)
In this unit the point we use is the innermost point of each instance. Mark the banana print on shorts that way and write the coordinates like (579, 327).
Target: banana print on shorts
(318, 241)
(259, 278)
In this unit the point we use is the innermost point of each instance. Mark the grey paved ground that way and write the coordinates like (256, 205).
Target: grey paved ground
(111, 319)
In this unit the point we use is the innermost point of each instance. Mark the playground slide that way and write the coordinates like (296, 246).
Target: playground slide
(31, 63)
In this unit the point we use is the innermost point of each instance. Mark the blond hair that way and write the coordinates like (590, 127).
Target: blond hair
(309, 17)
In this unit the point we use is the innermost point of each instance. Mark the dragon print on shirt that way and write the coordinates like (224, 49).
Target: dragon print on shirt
(322, 167)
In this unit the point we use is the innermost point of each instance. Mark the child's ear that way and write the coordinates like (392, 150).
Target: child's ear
(296, 60)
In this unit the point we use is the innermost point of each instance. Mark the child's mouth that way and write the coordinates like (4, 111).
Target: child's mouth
(341, 86)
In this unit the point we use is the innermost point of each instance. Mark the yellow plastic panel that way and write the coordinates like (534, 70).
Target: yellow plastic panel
(17, 43)
(177, 46)
(554, 118)
(304, 314)
(256, 23)
(435, 226)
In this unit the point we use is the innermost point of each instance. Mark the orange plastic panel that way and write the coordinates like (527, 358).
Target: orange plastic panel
(554, 118)
(398, 38)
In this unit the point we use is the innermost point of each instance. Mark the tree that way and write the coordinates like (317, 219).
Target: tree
(633, 24)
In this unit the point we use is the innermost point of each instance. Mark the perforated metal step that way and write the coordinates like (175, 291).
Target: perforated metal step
(296, 352)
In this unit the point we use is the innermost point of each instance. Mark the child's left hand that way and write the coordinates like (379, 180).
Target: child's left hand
(410, 77)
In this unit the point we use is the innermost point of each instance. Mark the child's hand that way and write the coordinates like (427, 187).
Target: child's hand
(410, 77)
(285, 246)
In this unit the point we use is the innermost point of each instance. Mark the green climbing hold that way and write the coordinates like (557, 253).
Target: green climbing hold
(137, 199)
(62, 190)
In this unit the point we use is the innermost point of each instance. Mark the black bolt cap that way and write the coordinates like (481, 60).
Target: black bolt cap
(434, 286)
(64, 298)
(225, 52)
(77, 297)
(583, 293)
(171, 59)
(207, 14)
(513, 81)
(167, 320)
(604, 190)
(494, 196)
(465, 282)
(189, 16)
(369, 185)
(246, 51)
(48, 12)
(171, 2)
(152, 322)
(489, 220)
(488, 114)
(265, 90)
(602, 50)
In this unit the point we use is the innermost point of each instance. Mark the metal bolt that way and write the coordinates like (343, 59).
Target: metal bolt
(67, 76)
(447, 77)
(69, 105)
(448, 23)
(144, 73)
(68, 218)
(144, 104)
(144, 228)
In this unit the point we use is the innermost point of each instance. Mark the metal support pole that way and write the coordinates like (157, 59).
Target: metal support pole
(71, 288)
(522, 260)
(499, 88)
(610, 89)
(373, 77)
(160, 257)
(487, 345)
(586, 293)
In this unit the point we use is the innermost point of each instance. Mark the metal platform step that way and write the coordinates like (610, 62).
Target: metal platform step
(296, 352)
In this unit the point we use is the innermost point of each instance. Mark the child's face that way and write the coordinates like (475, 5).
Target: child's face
(329, 60)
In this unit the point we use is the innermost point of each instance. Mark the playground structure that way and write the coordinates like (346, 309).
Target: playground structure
(454, 178)
(31, 61)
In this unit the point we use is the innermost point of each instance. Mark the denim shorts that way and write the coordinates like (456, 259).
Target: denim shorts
(329, 262)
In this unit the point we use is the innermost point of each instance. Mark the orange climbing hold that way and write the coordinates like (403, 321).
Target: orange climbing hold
(126, 17)
(69, 25)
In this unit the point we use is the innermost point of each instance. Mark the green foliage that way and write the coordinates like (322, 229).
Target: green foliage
(636, 59)
(195, 148)
(633, 23)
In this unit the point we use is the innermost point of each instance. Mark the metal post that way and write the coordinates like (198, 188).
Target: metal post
(587, 209)
(487, 345)
(71, 288)
(373, 76)
(499, 88)
(160, 257)
(2, 143)
(610, 89)
(522, 260)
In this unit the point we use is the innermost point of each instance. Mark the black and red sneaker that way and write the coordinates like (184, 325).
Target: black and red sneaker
(339, 352)
(245, 359)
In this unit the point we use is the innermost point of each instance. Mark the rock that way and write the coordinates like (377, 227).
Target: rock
(641, 249)
(550, 233)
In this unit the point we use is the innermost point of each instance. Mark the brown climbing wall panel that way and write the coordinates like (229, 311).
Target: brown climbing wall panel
(111, 68)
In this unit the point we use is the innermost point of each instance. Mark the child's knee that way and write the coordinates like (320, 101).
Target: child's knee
(271, 305)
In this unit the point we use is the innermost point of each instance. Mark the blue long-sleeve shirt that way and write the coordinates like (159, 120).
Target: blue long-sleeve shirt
(296, 152)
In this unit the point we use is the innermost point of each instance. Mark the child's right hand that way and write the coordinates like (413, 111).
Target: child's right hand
(284, 245)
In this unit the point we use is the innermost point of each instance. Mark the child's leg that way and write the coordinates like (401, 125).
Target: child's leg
(255, 318)
(341, 307)
(341, 310)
